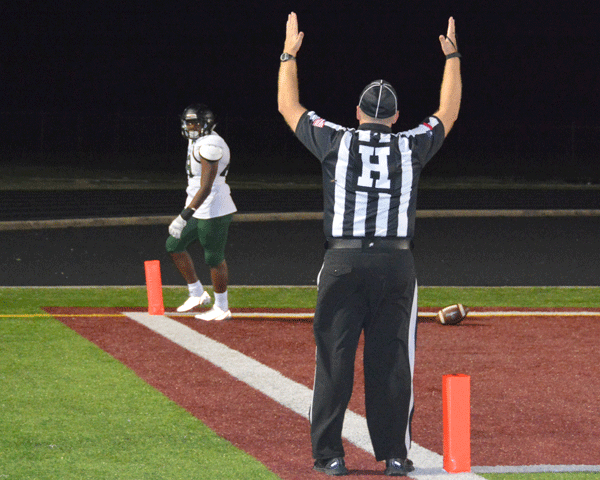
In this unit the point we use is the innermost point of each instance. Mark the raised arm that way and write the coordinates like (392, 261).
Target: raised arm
(288, 96)
(451, 91)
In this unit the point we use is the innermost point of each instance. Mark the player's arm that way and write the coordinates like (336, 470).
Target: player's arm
(451, 90)
(209, 159)
(288, 96)
(210, 167)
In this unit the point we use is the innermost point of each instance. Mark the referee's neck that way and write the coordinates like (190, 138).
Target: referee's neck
(378, 127)
(363, 118)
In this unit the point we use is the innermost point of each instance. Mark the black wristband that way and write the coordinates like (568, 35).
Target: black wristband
(453, 55)
(187, 213)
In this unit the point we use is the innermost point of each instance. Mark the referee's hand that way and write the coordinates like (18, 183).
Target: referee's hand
(293, 38)
(448, 42)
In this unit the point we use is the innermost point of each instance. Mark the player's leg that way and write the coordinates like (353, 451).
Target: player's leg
(177, 249)
(212, 234)
(220, 277)
(184, 263)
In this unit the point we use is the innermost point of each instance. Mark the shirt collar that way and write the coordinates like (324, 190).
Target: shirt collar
(378, 127)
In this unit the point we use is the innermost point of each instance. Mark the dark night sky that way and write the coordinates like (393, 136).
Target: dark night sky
(527, 63)
(537, 59)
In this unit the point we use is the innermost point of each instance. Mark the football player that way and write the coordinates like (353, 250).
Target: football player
(207, 214)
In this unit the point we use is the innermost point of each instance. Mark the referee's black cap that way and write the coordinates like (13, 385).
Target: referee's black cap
(379, 100)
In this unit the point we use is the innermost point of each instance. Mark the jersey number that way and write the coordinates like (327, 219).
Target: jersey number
(380, 165)
(188, 168)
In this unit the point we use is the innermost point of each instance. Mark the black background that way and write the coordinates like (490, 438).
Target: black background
(530, 72)
(521, 61)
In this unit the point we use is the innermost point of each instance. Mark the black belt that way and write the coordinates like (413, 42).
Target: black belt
(371, 243)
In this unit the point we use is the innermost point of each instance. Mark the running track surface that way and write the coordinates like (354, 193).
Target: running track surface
(473, 251)
(533, 400)
(486, 251)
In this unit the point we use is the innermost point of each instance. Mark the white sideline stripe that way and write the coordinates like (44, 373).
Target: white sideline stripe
(288, 393)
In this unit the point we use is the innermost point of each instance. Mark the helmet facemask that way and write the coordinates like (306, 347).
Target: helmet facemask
(196, 121)
(191, 129)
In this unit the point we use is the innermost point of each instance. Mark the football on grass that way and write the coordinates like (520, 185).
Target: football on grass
(452, 315)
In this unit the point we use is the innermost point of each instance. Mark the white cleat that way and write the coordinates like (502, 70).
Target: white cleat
(214, 314)
(193, 302)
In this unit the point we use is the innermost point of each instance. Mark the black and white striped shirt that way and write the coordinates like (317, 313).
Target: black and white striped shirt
(370, 175)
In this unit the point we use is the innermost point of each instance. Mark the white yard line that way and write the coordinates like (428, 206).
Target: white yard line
(297, 397)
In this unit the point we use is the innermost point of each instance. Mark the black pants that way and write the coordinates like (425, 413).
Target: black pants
(374, 292)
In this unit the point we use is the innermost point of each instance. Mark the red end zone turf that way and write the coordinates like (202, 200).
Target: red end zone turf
(531, 399)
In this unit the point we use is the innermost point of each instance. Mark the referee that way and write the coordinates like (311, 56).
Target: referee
(368, 281)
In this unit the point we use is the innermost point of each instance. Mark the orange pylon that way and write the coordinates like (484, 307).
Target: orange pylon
(456, 393)
(154, 287)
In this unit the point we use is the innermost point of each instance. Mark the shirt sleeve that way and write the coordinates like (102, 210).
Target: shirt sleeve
(317, 134)
(426, 139)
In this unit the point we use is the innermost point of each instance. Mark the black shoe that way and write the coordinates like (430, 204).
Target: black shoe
(331, 466)
(398, 467)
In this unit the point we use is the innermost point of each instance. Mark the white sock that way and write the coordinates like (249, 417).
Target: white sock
(196, 289)
(221, 301)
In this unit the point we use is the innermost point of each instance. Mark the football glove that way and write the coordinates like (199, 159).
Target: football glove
(177, 227)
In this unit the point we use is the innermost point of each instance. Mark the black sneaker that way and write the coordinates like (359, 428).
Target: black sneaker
(331, 466)
(398, 467)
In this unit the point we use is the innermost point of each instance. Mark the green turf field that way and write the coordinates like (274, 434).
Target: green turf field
(71, 411)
